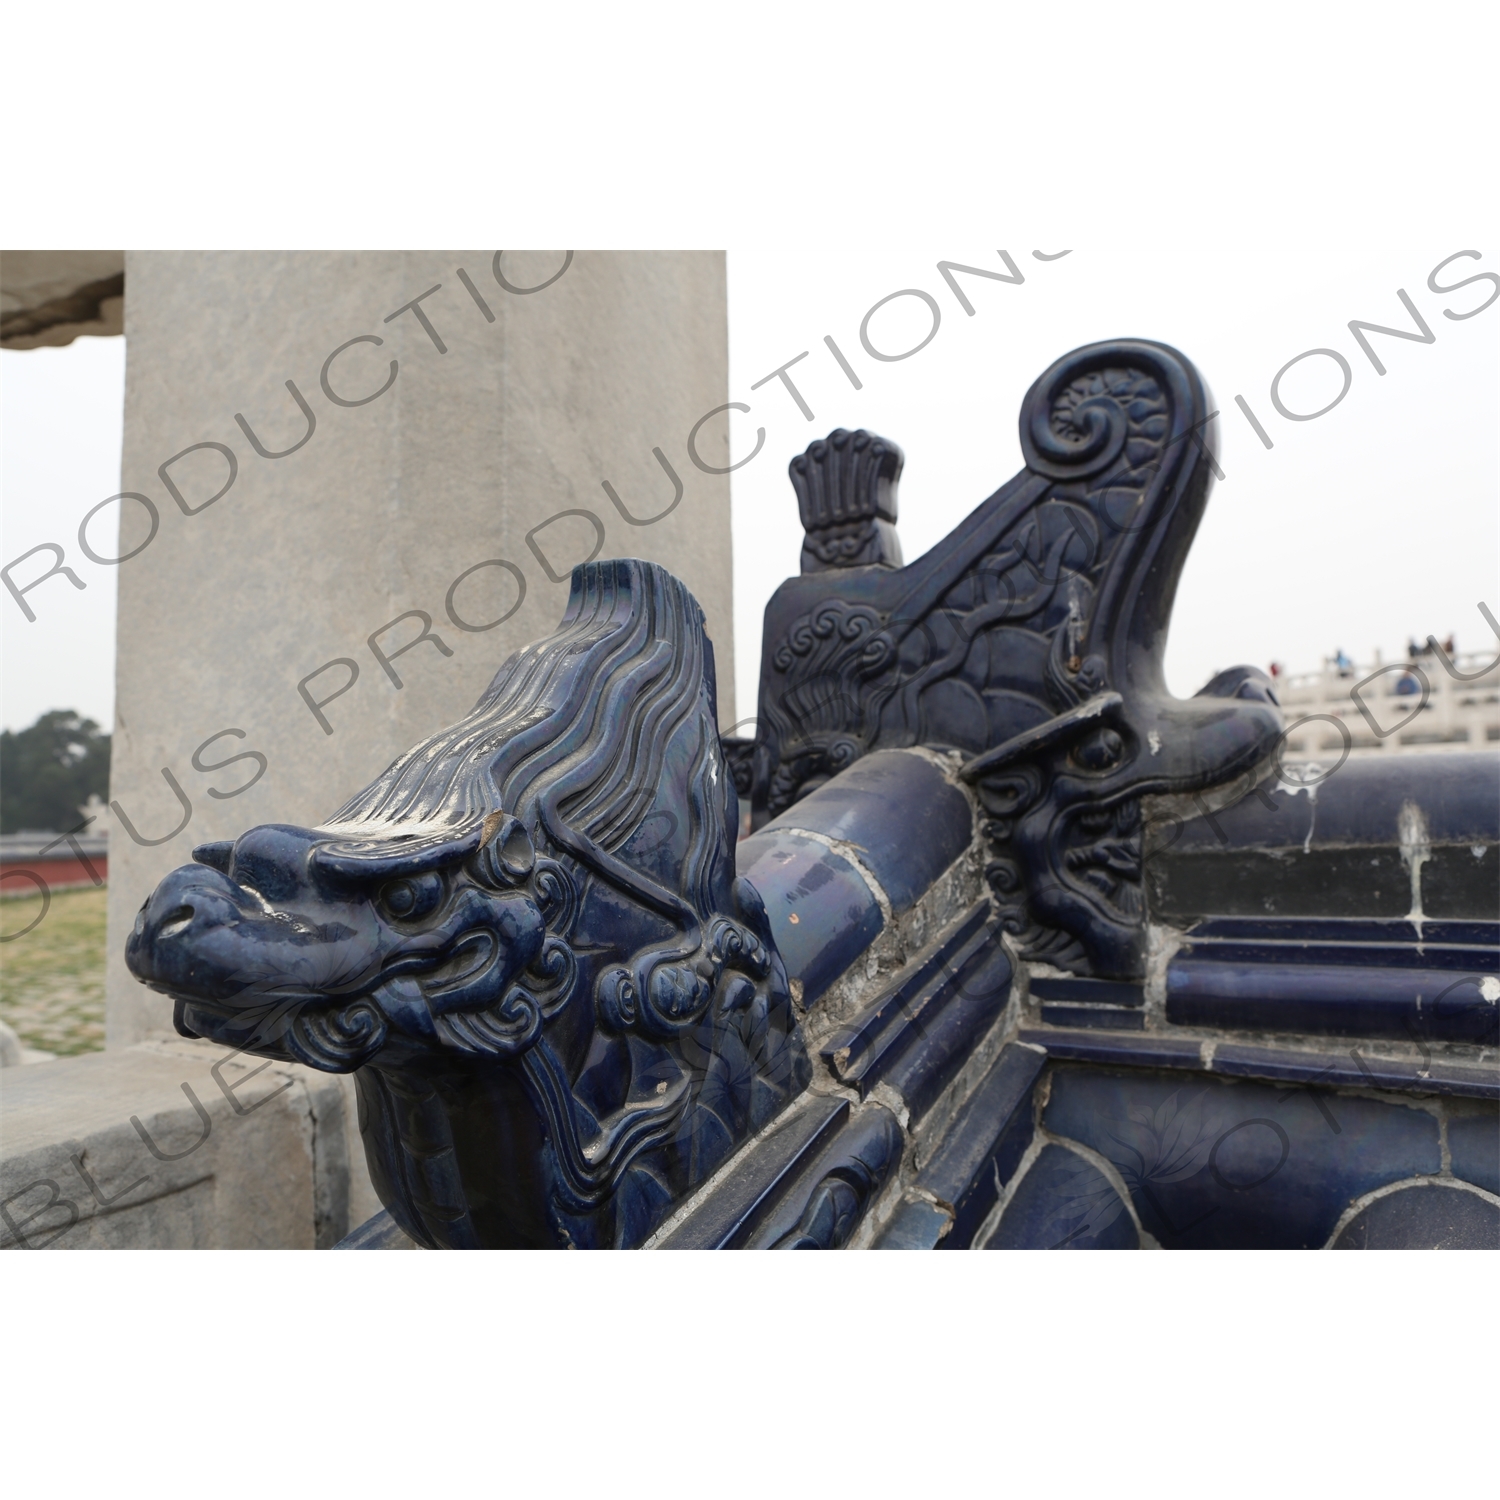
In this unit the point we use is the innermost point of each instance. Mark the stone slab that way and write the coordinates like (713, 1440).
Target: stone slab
(249, 1157)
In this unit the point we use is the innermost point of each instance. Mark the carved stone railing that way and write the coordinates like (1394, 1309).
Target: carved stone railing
(579, 1015)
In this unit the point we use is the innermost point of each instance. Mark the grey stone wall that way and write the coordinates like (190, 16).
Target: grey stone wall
(336, 554)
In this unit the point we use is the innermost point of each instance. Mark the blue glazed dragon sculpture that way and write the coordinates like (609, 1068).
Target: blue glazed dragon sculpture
(527, 936)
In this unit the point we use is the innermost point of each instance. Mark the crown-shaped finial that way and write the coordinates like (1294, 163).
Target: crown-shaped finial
(846, 491)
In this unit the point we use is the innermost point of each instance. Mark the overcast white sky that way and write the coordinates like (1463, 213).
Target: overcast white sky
(1370, 524)
(62, 417)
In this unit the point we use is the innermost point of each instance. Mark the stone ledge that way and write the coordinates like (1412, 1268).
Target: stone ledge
(176, 1144)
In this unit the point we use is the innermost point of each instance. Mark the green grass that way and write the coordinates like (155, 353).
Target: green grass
(52, 979)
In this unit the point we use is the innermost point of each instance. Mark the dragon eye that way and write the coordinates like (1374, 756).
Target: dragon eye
(410, 898)
(1100, 750)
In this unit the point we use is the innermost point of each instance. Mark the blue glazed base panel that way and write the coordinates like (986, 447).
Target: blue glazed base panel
(1362, 805)
(1064, 1203)
(1474, 1145)
(1093, 1017)
(1087, 991)
(1342, 999)
(1215, 1164)
(1426, 1217)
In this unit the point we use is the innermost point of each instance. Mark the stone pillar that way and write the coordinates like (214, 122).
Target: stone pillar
(417, 448)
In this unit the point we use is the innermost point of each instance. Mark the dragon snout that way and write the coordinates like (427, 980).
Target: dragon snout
(173, 920)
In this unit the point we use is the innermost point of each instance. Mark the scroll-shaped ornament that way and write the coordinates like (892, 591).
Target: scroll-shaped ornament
(1031, 640)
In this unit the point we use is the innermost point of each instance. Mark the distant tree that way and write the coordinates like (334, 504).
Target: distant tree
(49, 771)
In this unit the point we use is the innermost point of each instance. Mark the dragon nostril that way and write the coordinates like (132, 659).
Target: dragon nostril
(177, 920)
